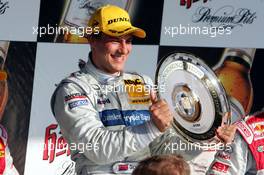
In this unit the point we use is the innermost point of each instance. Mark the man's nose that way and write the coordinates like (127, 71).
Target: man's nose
(123, 47)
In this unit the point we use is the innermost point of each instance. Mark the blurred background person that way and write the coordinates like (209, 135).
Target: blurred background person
(6, 160)
(163, 165)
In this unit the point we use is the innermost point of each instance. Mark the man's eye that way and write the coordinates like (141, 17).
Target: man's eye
(115, 42)
(129, 41)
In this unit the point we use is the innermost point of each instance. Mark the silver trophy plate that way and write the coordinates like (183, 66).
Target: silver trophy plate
(195, 96)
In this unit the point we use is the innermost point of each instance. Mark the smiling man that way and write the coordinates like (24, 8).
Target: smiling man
(117, 124)
(109, 54)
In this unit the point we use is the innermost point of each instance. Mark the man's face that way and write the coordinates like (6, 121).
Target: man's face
(109, 54)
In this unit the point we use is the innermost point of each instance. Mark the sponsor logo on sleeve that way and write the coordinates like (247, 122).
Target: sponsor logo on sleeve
(218, 166)
(223, 156)
(244, 129)
(78, 103)
(74, 96)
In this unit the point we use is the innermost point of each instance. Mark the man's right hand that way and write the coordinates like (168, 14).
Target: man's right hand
(226, 133)
(160, 113)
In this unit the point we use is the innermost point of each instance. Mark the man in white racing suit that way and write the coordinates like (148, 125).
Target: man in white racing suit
(246, 153)
(111, 113)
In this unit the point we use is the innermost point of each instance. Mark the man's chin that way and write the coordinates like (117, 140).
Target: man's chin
(118, 68)
(115, 71)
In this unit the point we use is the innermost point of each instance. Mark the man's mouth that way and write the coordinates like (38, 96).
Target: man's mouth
(118, 58)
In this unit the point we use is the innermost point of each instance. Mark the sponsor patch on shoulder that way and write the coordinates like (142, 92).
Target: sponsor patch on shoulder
(78, 103)
(245, 131)
(74, 96)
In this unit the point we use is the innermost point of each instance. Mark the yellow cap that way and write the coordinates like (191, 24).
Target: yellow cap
(114, 21)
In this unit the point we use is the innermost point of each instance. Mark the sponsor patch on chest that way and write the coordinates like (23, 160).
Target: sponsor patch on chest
(103, 101)
(138, 93)
(115, 117)
(258, 129)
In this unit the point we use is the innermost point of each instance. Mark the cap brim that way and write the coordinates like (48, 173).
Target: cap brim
(138, 32)
(125, 31)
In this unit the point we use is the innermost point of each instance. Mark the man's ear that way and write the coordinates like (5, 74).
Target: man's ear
(91, 42)
(89, 38)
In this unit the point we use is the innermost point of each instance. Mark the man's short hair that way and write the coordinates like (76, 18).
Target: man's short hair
(163, 165)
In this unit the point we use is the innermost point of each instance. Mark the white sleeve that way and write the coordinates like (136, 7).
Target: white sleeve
(80, 124)
(233, 162)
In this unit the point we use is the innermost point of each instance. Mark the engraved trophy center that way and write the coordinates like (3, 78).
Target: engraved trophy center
(185, 103)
